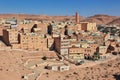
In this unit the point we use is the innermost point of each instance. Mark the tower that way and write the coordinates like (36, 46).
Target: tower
(76, 17)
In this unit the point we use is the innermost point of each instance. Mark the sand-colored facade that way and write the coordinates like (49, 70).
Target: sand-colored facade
(31, 41)
(10, 36)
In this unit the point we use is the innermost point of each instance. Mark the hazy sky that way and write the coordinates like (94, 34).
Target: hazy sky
(61, 7)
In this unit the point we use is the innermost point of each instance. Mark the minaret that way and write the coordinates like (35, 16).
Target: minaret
(76, 18)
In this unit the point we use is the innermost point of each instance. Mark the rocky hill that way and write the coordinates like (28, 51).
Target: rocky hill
(101, 19)
(115, 22)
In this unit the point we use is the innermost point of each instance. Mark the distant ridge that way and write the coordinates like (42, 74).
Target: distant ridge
(101, 19)
(115, 22)
(38, 17)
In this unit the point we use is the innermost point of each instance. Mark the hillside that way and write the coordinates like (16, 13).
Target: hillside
(101, 19)
(115, 22)
(12, 68)
(38, 17)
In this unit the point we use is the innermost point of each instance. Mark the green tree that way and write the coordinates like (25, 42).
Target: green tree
(44, 58)
(96, 56)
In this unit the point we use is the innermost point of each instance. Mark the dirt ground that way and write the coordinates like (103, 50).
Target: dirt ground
(106, 70)
(12, 68)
